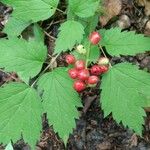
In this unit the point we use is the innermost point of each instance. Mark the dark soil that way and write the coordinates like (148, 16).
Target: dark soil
(93, 131)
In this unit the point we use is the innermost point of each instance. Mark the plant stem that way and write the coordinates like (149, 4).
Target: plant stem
(60, 11)
(45, 70)
(102, 50)
(104, 54)
(88, 54)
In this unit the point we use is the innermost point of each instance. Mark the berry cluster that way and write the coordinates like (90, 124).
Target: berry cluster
(85, 76)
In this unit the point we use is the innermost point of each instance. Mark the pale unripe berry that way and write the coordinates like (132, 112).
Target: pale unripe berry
(103, 61)
(80, 49)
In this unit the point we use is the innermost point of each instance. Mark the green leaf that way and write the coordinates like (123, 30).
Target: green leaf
(83, 8)
(90, 24)
(78, 55)
(71, 33)
(25, 58)
(26, 12)
(121, 88)
(146, 94)
(9, 147)
(94, 52)
(38, 33)
(60, 101)
(124, 43)
(20, 113)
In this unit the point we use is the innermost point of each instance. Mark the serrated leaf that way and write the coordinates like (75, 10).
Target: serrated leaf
(121, 88)
(146, 94)
(78, 55)
(26, 12)
(94, 54)
(71, 33)
(124, 43)
(20, 113)
(25, 58)
(60, 101)
(91, 24)
(83, 8)
(9, 147)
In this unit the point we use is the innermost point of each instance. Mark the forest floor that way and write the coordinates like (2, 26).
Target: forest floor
(93, 131)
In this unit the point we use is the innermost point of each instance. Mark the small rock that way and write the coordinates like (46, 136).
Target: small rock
(93, 122)
(147, 29)
(124, 22)
(146, 4)
(134, 140)
(145, 63)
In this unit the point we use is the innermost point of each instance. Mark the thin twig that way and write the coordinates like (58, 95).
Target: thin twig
(59, 21)
(49, 35)
(104, 54)
(60, 10)
(45, 70)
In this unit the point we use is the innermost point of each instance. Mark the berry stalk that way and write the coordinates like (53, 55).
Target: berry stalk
(88, 54)
(104, 54)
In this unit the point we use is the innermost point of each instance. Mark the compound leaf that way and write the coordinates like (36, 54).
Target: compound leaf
(25, 58)
(121, 95)
(124, 43)
(60, 101)
(26, 12)
(84, 8)
(20, 113)
(71, 32)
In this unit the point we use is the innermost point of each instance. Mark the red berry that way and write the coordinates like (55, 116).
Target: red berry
(94, 38)
(70, 59)
(95, 70)
(73, 73)
(83, 74)
(79, 85)
(93, 80)
(79, 64)
(103, 69)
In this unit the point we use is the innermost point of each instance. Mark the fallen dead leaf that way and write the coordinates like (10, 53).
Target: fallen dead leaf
(111, 8)
(104, 146)
(134, 140)
(147, 29)
(146, 4)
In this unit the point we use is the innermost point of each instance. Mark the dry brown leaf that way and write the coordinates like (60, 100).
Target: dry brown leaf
(134, 140)
(146, 4)
(111, 8)
(147, 109)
